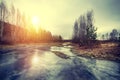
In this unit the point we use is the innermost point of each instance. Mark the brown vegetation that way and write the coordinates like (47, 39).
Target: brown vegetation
(108, 50)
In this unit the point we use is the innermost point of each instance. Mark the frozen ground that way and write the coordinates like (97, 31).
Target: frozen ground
(38, 62)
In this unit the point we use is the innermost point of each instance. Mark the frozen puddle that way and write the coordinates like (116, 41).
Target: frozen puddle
(65, 50)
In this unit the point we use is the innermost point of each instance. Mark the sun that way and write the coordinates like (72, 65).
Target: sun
(36, 22)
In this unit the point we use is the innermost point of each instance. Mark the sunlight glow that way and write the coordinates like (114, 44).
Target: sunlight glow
(35, 60)
(35, 20)
(36, 23)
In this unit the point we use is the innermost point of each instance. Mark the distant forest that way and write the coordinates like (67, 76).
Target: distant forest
(16, 27)
(85, 32)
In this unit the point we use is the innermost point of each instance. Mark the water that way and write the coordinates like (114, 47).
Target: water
(38, 62)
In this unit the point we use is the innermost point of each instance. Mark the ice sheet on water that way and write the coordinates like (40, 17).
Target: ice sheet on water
(64, 50)
(52, 67)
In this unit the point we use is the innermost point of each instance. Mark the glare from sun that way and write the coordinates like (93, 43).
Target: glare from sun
(35, 60)
(36, 22)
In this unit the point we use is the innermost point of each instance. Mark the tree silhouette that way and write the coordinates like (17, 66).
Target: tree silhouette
(75, 33)
(84, 29)
(103, 37)
(114, 34)
(3, 12)
(107, 36)
(16, 27)
(91, 30)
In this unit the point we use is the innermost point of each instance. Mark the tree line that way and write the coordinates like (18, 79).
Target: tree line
(16, 26)
(114, 35)
(84, 31)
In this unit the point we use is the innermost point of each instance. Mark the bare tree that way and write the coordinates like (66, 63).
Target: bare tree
(75, 32)
(12, 14)
(91, 30)
(114, 34)
(84, 29)
(3, 10)
(103, 37)
(107, 36)
(18, 17)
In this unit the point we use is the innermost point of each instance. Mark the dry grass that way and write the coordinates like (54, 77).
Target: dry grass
(109, 51)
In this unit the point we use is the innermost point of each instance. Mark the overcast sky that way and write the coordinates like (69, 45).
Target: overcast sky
(58, 16)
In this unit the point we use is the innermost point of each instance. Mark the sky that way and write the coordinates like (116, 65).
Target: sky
(58, 16)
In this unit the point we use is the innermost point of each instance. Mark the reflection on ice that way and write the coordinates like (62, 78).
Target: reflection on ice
(43, 64)
(35, 59)
(44, 59)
